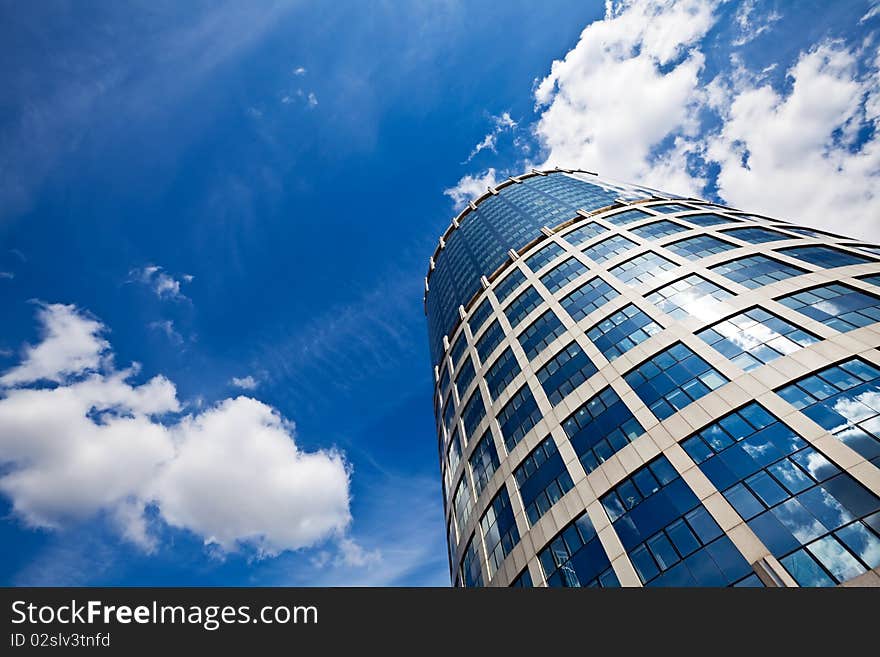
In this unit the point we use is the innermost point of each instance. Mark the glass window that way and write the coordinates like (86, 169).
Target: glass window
(621, 331)
(609, 248)
(520, 307)
(673, 379)
(463, 504)
(584, 233)
(756, 234)
(509, 284)
(518, 416)
(490, 339)
(563, 274)
(480, 315)
(500, 534)
(873, 279)
(576, 558)
(473, 414)
(692, 296)
(542, 479)
(588, 297)
(444, 380)
(669, 208)
(845, 401)
(755, 337)
(708, 219)
(453, 458)
(873, 250)
(458, 348)
(464, 377)
(699, 246)
(601, 427)
(825, 256)
(838, 306)
(642, 269)
(756, 270)
(522, 581)
(484, 461)
(626, 217)
(540, 334)
(448, 412)
(503, 371)
(547, 253)
(471, 575)
(658, 229)
(564, 372)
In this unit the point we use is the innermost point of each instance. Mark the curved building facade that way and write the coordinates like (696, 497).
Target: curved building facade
(637, 389)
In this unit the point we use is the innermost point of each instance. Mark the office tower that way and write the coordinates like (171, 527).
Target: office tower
(637, 389)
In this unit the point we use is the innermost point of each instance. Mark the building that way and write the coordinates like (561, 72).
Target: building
(633, 388)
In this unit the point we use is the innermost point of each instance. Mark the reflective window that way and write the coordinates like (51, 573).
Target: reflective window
(576, 558)
(490, 339)
(642, 268)
(584, 233)
(692, 296)
(540, 334)
(565, 372)
(464, 377)
(444, 380)
(755, 337)
(458, 348)
(588, 297)
(484, 461)
(839, 306)
(845, 401)
(500, 534)
(621, 331)
(522, 581)
(563, 274)
(756, 270)
(601, 427)
(873, 279)
(673, 379)
(518, 416)
(670, 537)
(520, 307)
(668, 208)
(609, 248)
(480, 315)
(802, 507)
(463, 504)
(825, 256)
(502, 372)
(708, 219)
(658, 229)
(448, 412)
(474, 412)
(626, 217)
(508, 285)
(810, 232)
(699, 246)
(471, 575)
(756, 234)
(453, 458)
(542, 479)
(875, 250)
(545, 255)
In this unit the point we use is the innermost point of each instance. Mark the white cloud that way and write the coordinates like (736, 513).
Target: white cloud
(873, 11)
(164, 285)
(299, 70)
(751, 26)
(471, 187)
(490, 141)
(247, 382)
(99, 444)
(312, 100)
(166, 326)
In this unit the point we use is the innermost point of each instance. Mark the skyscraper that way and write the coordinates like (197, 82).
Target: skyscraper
(633, 388)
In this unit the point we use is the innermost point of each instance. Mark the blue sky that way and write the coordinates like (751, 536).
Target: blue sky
(242, 199)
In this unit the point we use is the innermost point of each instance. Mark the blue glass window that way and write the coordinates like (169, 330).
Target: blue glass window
(463, 504)
(520, 307)
(484, 461)
(621, 331)
(542, 479)
(708, 219)
(670, 537)
(673, 379)
(576, 558)
(518, 416)
(873, 279)
(480, 315)
(522, 581)
(825, 256)
(798, 503)
(755, 337)
(699, 246)
(503, 371)
(464, 377)
(669, 208)
(845, 401)
(756, 270)
(545, 255)
(453, 455)
(642, 268)
(810, 232)
(601, 427)
(609, 248)
(564, 273)
(458, 348)
(588, 297)
(474, 412)
(756, 234)
(489, 340)
(540, 334)
(873, 250)
(499, 530)
(584, 233)
(448, 412)
(626, 217)
(839, 306)
(692, 296)
(444, 380)
(471, 575)
(509, 284)
(565, 372)
(658, 229)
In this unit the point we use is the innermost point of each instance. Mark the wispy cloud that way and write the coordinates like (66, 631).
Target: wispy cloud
(245, 383)
(490, 141)
(299, 70)
(164, 285)
(7, 275)
(166, 327)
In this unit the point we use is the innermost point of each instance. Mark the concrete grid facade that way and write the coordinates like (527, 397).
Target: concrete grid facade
(482, 552)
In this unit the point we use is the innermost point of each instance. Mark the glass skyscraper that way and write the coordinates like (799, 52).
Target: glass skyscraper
(637, 389)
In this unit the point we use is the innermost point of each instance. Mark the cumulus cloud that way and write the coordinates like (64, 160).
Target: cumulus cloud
(163, 284)
(246, 382)
(99, 443)
(471, 187)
